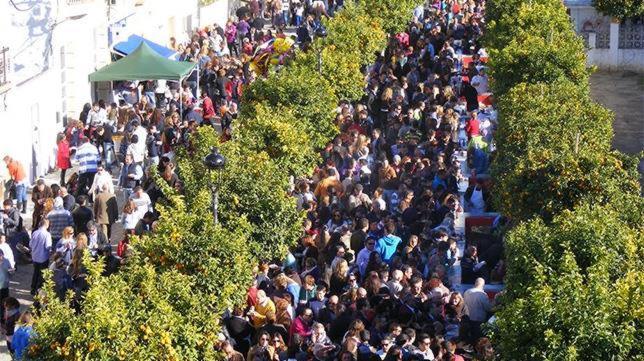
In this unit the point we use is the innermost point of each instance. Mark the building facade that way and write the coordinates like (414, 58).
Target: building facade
(49, 47)
(611, 44)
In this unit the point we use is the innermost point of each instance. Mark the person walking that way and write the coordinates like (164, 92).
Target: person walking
(88, 159)
(40, 246)
(105, 210)
(18, 180)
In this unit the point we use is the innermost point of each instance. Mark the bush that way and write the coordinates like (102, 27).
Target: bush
(536, 18)
(591, 233)
(161, 305)
(621, 9)
(394, 15)
(340, 70)
(278, 132)
(547, 183)
(559, 117)
(535, 59)
(574, 289)
(570, 316)
(311, 98)
(252, 185)
(353, 33)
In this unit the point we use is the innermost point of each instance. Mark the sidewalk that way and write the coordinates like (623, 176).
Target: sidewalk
(20, 284)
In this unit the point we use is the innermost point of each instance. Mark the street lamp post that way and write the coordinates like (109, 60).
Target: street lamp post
(215, 162)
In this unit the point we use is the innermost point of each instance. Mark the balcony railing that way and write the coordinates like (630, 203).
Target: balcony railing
(4, 66)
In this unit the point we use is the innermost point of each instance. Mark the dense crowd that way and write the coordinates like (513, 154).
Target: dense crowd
(382, 271)
(379, 272)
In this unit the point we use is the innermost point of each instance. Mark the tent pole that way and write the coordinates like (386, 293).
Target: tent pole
(198, 74)
(181, 99)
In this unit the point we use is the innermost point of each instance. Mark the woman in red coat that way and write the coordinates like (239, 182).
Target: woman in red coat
(63, 161)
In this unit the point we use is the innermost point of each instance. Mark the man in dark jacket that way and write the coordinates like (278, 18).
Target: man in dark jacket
(82, 214)
(11, 219)
(12, 224)
(69, 202)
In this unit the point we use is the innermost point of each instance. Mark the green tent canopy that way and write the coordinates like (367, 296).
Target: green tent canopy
(143, 64)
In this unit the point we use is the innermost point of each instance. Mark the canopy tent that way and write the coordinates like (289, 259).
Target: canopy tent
(143, 64)
(132, 43)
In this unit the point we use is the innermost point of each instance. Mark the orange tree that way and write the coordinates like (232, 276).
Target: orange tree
(621, 9)
(573, 283)
(394, 14)
(574, 288)
(163, 304)
(554, 151)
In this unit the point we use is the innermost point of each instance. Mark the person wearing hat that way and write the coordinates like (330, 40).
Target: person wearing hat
(59, 218)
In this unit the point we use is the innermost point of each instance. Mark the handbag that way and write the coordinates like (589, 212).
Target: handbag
(10, 186)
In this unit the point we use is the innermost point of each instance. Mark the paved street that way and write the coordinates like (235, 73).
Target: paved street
(21, 281)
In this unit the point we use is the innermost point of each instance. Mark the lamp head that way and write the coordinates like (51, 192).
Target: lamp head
(214, 160)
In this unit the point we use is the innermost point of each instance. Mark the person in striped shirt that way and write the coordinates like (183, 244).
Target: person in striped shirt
(88, 158)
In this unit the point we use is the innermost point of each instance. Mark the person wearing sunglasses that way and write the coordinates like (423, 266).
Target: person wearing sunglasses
(262, 351)
(281, 349)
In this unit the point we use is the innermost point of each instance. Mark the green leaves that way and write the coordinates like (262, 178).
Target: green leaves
(575, 255)
(165, 304)
(621, 9)
(553, 152)
(310, 97)
(395, 15)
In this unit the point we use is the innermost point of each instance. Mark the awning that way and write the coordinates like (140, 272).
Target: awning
(128, 46)
(143, 64)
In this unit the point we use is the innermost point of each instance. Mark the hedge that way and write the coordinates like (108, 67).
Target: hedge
(574, 255)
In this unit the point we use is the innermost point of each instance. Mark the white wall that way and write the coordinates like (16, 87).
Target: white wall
(51, 57)
(622, 59)
(612, 58)
(158, 20)
(215, 13)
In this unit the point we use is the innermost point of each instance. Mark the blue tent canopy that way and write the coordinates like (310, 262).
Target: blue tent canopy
(128, 46)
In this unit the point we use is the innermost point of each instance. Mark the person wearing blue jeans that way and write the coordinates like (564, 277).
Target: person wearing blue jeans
(21, 196)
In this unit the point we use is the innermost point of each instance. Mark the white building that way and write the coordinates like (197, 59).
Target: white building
(612, 44)
(49, 47)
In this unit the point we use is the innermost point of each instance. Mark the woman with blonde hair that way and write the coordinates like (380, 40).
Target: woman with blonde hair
(130, 217)
(66, 244)
(339, 278)
(81, 241)
(285, 284)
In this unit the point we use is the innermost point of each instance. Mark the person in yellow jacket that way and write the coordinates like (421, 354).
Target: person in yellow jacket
(258, 313)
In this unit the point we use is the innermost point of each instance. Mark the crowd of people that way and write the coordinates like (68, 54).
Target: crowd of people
(381, 270)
